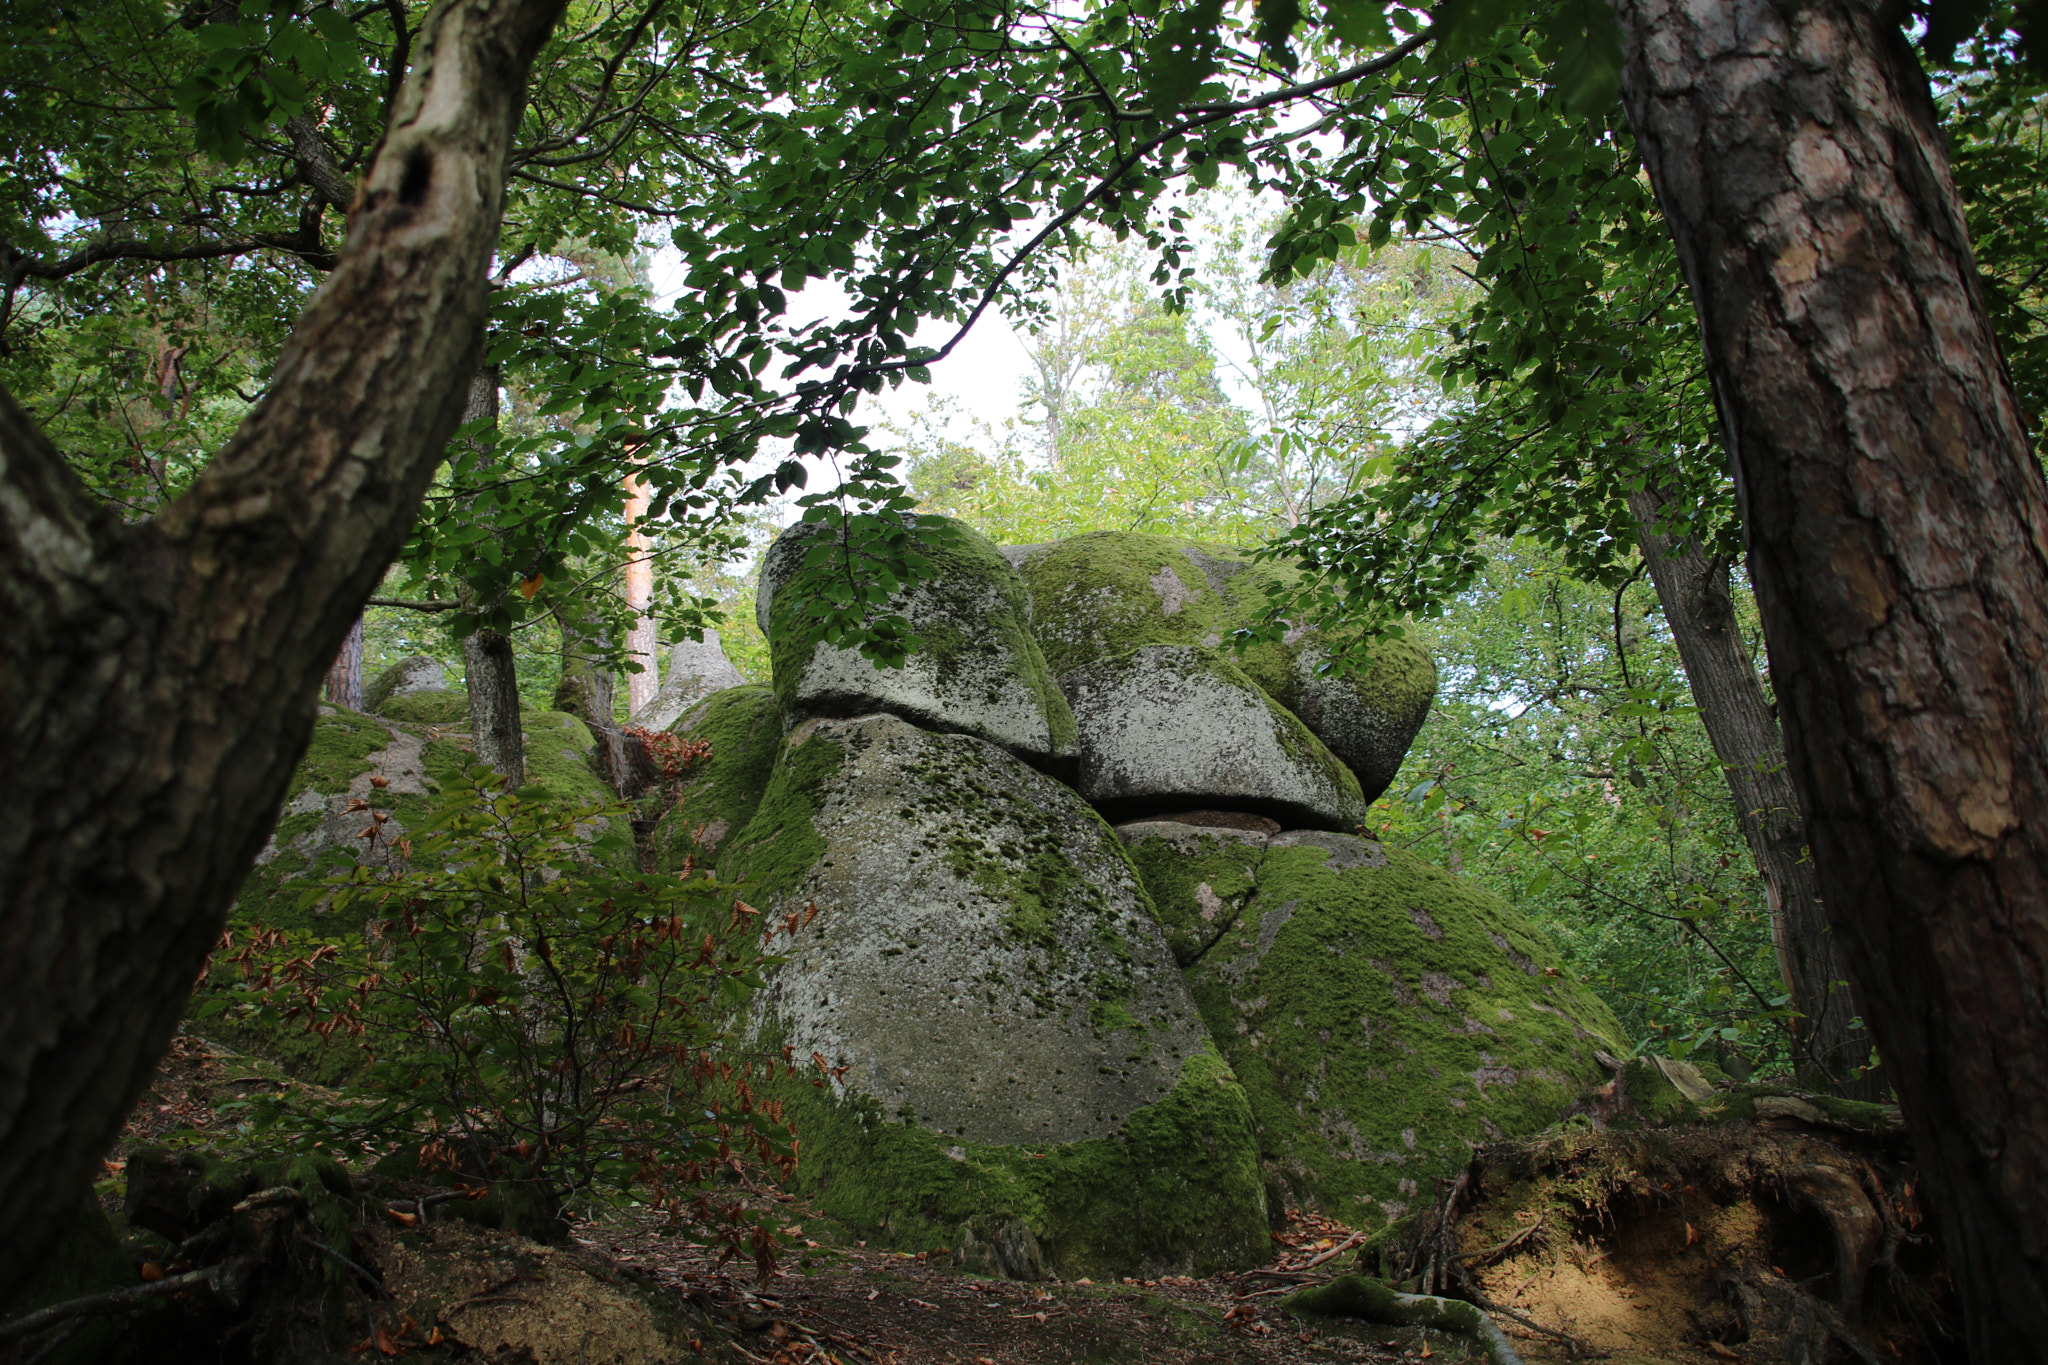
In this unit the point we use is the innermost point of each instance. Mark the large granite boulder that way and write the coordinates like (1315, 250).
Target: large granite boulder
(414, 673)
(1102, 595)
(1023, 1064)
(977, 671)
(696, 669)
(1173, 727)
(1383, 1014)
(722, 790)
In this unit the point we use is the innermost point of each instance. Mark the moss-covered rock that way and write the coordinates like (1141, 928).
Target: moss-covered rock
(977, 670)
(442, 708)
(1169, 727)
(720, 795)
(1018, 1043)
(1101, 595)
(1383, 1015)
(413, 675)
(561, 757)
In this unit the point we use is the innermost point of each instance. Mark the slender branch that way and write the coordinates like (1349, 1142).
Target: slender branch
(113, 1301)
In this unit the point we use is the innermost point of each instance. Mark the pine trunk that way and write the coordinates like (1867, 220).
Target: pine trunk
(345, 674)
(1897, 530)
(158, 679)
(1693, 591)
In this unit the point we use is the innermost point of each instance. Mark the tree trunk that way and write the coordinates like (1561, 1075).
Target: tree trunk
(1898, 540)
(1693, 591)
(494, 704)
(586, 689)
(158, 680)
(345, 674)
(490, 672)
(643, 641)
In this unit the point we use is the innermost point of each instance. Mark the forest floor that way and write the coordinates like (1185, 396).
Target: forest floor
(1644, 1248)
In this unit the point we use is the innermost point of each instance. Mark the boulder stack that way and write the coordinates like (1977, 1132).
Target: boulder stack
(1071, 1049)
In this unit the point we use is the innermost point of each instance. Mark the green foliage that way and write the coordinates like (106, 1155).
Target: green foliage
(1565, 769)
(530, 1018)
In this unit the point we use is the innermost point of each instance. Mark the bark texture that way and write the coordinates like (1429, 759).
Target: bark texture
(158, 680)
(1898, 541)
(345, 674)
(1693, 591)
(489, 669)
(493, 682)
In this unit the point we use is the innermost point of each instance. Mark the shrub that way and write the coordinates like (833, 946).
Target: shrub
(533, 1023)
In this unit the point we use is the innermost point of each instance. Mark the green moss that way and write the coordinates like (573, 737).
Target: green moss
(780, 844)
(428, 708)
(970, 615)
(1354, 1296)
(338, 751)
(744, 728)
(558, 756)
(1656, 1102)
(1177, 1188)
(1383, 1019)
(1199, 882)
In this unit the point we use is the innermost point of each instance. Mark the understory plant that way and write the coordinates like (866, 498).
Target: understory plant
(532, 1013)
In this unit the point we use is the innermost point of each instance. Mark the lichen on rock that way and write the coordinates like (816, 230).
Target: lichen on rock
(1165, 727)
(1101, 595)
(985, 965)
(977, 669)
(1382, 1014)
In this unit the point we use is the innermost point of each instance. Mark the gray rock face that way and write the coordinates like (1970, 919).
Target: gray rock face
(983, 958)
(696, 669)
(417, 673)
(1170, 727)
(1101, 595)
(977, 672)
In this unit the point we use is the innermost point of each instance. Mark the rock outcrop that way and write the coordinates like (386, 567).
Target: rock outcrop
(1051, 1046)
(1098, 596)
(1018, 1046)
(977, 672)
(696, 669)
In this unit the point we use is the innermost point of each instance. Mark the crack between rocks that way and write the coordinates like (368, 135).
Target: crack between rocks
(1236, 908)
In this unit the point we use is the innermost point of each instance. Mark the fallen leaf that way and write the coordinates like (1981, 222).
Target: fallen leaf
(1720, 1352)
(152, 1271)
(1692, 1234)
(385, 1345)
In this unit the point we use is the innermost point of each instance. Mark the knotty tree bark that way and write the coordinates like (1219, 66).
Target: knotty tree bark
(157, 680)
(1898, 541)
(1693, 591)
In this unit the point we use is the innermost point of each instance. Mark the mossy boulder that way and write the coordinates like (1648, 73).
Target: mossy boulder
(1102, 595)
(1383, 1015)
(720, 795)
(410, 676)
(1019, 1047)
(1169, 727)
(977, 670)
(445, 709)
